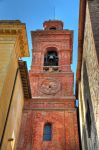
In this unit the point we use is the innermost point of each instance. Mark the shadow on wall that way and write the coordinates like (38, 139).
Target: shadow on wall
(90, 119)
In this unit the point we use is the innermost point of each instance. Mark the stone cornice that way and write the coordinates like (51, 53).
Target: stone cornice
(17, 29)
(51, 109)
(54, 98)
(48, 32)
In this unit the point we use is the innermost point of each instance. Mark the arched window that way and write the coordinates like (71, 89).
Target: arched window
(47, 133)
(51, 58)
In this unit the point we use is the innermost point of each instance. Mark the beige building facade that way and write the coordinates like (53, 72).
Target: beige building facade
(13, 45)
(87, 87)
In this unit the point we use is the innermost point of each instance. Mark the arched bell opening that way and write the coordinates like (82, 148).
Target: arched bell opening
(51, 57)
(51, 60)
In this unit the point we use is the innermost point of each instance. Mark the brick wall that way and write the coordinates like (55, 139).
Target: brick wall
(64, 130)
(63, 81)
(89, 85)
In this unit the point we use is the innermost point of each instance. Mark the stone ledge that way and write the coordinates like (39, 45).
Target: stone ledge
(51, 109)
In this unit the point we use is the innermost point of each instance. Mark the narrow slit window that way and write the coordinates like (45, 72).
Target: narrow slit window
(47, 135)
(88, 119)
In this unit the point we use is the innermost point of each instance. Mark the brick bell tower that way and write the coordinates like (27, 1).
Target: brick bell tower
(50, 119)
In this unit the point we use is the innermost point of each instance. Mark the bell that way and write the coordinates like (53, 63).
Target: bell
(51, 57)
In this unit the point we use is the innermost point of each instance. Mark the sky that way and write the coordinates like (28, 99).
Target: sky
(35, 12)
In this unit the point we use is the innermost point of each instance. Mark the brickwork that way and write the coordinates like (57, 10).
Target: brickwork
(90, 51)
(94, 16)
(56, 24)
(62, 80)
(89, 85)
(48, 103)
(52, 100)
(64, 126)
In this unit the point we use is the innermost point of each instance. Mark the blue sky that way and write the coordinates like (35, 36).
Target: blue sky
(35, 12)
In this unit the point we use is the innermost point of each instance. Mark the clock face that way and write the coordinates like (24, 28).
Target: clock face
(50, 86)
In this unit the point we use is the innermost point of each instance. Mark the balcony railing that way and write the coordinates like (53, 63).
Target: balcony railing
(61, 68)
(51, 68)
(57, 68)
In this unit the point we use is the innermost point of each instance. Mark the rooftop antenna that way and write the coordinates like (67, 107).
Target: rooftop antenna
(54, 13)
(53, 9)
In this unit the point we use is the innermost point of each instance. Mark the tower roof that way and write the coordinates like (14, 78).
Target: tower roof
(53, 25)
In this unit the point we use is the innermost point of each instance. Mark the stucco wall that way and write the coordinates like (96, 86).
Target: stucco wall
(14, 119)
(8, 67)
(9, 122)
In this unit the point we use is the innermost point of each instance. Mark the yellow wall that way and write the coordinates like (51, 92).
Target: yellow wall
(8, 67)
(13, 44)
(14, 119)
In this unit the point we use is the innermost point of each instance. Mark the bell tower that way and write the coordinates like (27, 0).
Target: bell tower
(51, 75)
(50, 115)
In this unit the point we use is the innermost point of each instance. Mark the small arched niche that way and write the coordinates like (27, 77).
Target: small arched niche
(51, 57)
